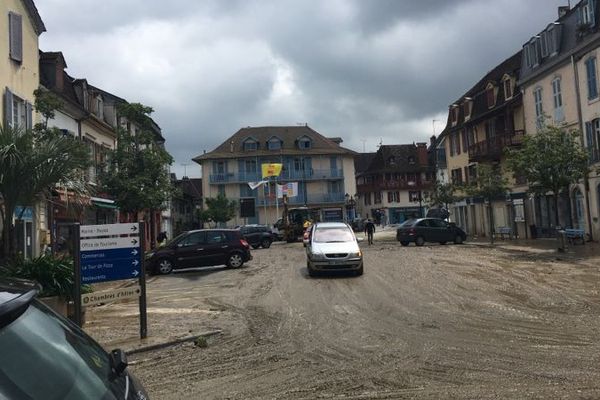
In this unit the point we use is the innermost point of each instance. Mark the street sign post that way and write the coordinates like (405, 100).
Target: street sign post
(106, 253)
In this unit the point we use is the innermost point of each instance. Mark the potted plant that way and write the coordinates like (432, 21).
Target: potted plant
(55, 276)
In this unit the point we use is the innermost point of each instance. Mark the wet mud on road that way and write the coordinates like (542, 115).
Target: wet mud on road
(431, 322)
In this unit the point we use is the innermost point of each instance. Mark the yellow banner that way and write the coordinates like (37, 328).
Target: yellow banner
(271, 170)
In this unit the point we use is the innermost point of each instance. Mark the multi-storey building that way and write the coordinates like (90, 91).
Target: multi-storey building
(21, 25)
(481, 124)
(186, 205)
(391, 182)
(323, 170)
(559, 79)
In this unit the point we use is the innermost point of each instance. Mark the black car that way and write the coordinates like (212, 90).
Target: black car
(200, 248)
(423, 230)
(258, 235)
(46, 356)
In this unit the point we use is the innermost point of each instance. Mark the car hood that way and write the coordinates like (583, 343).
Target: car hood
(343, 247)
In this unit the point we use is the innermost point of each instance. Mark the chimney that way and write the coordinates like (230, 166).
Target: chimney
(422, 153)
(432, 140)
(563, 10)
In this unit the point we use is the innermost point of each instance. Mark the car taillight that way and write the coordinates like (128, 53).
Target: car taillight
(411, 231)
(244, 243)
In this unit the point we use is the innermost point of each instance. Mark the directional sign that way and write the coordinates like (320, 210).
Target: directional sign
(86, 231)
(109, 243)
(106, 296)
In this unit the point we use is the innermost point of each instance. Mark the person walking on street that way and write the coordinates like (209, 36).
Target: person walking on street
(369, 230)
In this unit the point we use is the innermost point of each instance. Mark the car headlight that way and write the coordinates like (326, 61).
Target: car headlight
(357, 254)
(317, 256)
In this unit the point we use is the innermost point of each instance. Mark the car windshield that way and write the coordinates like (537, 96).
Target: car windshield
(333, 235)
(46, 357)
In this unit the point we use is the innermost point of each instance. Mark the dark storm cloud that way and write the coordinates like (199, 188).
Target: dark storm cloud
(363, 70)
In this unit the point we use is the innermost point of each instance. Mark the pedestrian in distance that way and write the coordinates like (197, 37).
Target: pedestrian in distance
(370, 230)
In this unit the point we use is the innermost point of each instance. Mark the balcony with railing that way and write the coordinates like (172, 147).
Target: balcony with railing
(316, 198)
(393, 185)
(285, 176)
(493, 148)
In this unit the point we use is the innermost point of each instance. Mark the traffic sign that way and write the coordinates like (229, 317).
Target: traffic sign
(90, 299)
(87, 231)
(109, 243)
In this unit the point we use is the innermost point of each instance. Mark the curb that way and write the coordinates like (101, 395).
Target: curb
(170, 343)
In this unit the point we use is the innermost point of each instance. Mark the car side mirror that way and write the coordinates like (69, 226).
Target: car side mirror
(118, 361)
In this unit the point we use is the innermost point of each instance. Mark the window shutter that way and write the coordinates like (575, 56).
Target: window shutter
(8, 107)
(15, 25)
(457, 138)
(592, 8)
(28, 115)
(465, 143)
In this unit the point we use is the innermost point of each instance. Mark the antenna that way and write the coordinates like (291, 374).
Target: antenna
(185, 169)
(380, 142)
(363, 141)
(433, 123)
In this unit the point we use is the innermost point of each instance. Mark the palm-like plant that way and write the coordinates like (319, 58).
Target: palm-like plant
(31, 164)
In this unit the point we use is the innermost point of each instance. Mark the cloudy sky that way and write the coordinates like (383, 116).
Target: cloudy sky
(364, 70)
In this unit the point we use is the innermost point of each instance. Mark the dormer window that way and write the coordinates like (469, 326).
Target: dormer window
(508, 87)
(411, 160)
(250, 144)
(99, 107)
(490, 95)
(304, 143)
(586, 13)
(274, 143)
(454, 114)
(532, 52)
(392, 160)
(467, 108)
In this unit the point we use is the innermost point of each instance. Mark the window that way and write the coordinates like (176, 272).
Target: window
(250, 145)
(465, 142)
(367, 198)
(592, 130)
(411, 160)
(590, 66)
(544, 44)
(456, 176)
(414, 196)
(558, 104)
(539, 110)
(221, 189)
(15, 39)
(508, 88)
(274, 143)
(586, 13)
(304, 143)
(18, 112)
(490, 95)
(532, 50)
(392, 160)
(378, 197)
(457, 143)
(467, 107)
(454, 114)
(194, 239)
(219, 167)
(99, 107)
(393, 197)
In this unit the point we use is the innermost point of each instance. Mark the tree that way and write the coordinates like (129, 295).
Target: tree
(46, 103)
(31, 164)
(550, 161)
(489, 184)
(441, 195)
(219, 209)
(137, 175)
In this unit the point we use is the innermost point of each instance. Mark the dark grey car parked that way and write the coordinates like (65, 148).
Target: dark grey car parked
(258, 235)
(423, 230)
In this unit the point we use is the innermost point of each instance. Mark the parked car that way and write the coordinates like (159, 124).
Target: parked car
(200, 248)
(45, 356)
(258, 235)
(277, 229)
(332, 246)
(423, 230)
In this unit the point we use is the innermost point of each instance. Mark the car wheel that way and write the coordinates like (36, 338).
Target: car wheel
(255, 246)
(419, 241)
(164, 266)
(235, 260)
(404, 243)
(458, 239)
(311, 272)
(265, 244)
(443, 242)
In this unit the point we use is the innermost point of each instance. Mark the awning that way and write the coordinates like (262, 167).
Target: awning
(103, 203)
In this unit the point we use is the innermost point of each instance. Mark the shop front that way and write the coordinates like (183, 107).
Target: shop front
(398, 215)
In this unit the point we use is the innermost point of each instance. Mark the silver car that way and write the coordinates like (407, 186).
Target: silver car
(332, 246)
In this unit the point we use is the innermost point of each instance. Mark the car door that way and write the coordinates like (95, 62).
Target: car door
(439, 230)
(216, 248)
(422, 229)
(190, 250)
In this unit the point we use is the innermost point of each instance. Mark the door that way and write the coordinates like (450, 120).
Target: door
(579, 213)
(190, 251)
(216, 248)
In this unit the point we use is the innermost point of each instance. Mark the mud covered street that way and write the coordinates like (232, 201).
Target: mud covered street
(432, 322)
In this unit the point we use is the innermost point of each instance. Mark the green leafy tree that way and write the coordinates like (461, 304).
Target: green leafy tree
(550, 161)
(31, 164)
(442, 194)
(489, 184)
(218, 209)
(137, 175)
(46, 103)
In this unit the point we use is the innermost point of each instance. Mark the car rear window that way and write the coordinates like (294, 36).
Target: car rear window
(408, 223)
